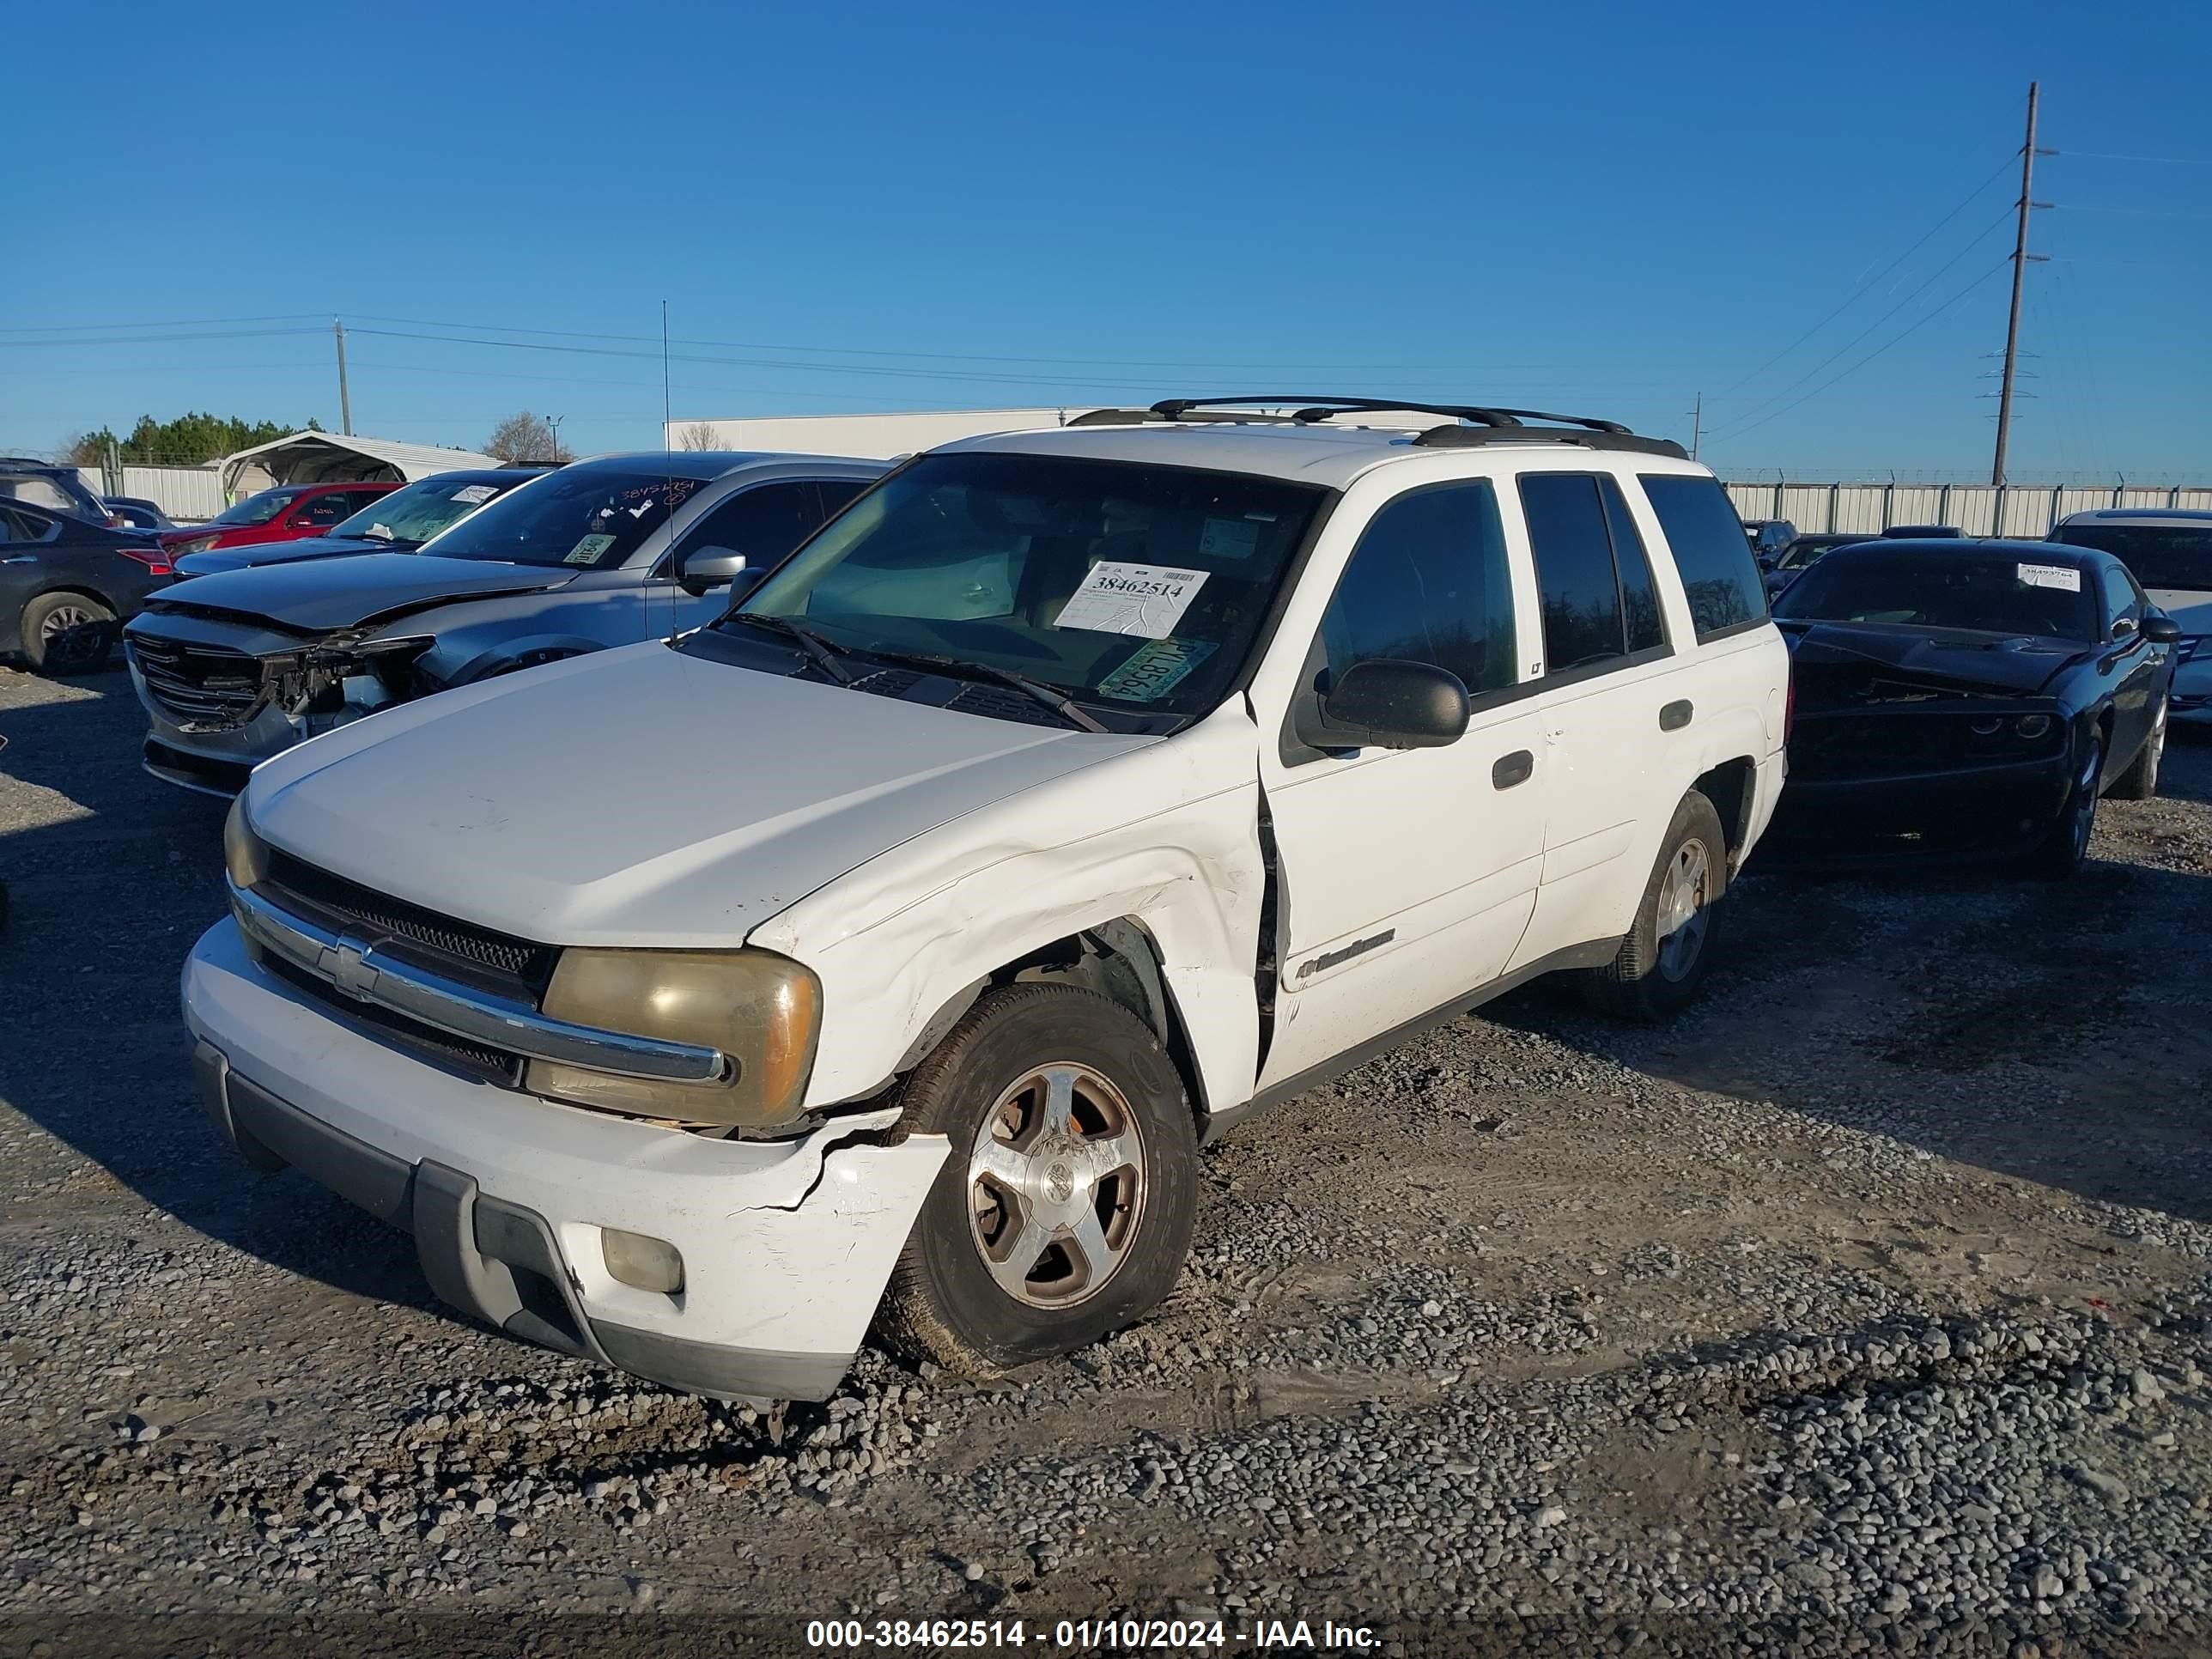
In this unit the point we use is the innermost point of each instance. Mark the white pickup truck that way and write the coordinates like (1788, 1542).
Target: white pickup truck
(885, 950)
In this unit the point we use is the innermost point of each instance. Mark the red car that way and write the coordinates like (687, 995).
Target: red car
(282, 514)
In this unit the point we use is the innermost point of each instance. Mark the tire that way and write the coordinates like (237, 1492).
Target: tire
(1660, 968)
(2139, 780)
(67, 634)
(2062, 851)
(992, 1080)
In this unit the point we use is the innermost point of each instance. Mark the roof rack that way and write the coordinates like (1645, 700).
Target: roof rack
(1472, 423)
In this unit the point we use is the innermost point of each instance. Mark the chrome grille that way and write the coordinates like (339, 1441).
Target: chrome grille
(514, 968)
(198, 684)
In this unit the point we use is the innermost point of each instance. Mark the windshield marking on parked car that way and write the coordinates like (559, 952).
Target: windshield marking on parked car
(1145, 599)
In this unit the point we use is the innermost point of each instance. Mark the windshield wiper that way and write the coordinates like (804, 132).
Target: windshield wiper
(959, 668)
(816, 647)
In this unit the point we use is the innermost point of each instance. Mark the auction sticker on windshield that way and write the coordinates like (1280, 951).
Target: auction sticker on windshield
(1154, 669)
(475, 495)
(589, 549)
(2052, 575)
(1145, 599)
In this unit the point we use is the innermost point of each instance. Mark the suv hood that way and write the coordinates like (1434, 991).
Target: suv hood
(641, 796)
(318, 595)
(2190, 606)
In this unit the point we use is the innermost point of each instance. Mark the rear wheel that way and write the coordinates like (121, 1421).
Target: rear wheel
(67, 633)
(2068, 842)
(2139, 780)
(1663, 959)
(1065, 1210)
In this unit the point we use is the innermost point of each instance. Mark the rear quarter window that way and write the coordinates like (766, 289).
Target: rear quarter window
(1720, 574)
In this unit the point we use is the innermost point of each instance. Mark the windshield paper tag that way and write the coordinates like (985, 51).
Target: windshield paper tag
(475, 495)
(1154, 669)
(1145, 599)
(1227, 539)
(2052, 575)
(589, 549)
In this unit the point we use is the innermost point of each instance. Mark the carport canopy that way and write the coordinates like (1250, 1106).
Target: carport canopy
(335, 457)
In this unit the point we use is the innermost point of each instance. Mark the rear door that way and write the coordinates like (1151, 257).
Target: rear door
(1405, 878)
(1616, 706)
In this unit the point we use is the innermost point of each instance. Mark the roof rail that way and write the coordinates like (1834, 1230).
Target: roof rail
(1472, 424)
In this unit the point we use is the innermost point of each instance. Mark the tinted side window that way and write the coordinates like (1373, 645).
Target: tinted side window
(1718, 572)
(328, 509)
(2121, 598)
(1574, 570)
(764, 524)
(1639, 598)
(836, 495)
(1429, 582)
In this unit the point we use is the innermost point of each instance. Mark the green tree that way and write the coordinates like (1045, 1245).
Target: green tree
(187, 440)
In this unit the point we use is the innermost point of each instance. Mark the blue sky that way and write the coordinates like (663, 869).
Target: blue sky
(1603, 209)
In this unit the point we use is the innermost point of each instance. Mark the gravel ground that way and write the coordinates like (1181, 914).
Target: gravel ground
(1868, 1308)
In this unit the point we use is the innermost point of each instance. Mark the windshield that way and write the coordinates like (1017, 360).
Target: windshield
(1991, 592)
(2156, 555)
(257, 509)
(1115, 583)
(590, 520)
(1802, 552)
(421, 510)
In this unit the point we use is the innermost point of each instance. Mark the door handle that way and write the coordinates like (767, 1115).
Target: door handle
(1675, 715)
(1512, 768)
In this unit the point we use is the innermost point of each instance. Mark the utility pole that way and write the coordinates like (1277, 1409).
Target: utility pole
(553, 426)
(1696, 425)
(2021, 256)
(345, 402)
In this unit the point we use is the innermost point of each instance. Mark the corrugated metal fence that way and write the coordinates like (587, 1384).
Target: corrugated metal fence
(2022, 509)
(182, 492)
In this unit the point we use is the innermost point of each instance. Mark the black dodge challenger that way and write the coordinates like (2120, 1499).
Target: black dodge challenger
(1967, 698)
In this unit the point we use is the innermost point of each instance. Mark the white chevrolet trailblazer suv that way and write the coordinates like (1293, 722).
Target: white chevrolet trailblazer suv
(885, 950)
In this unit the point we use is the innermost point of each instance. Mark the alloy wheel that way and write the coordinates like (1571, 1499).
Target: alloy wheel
(1681, 920)
(1056, 1185)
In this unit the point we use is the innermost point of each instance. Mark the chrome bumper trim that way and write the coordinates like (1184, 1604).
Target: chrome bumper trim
(358, 969)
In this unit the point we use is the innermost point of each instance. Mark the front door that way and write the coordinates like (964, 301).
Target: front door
(1404, 877)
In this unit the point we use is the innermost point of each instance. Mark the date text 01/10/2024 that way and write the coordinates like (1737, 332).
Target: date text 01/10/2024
(1087, 1634)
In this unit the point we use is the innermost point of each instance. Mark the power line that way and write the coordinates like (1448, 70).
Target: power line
(2163, 161)
(1894, 339)
(1867, 287)
(189, 322)
(156, 339)
(1927, 282)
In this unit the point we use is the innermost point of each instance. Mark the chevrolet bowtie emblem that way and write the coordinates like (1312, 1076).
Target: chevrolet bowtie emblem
(347, 965)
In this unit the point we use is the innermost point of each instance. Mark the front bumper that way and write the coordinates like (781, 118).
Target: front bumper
(213, 763)
(786, 1245)
(1971, 812)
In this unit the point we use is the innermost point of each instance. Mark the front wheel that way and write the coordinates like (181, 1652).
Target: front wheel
(1065, 1211)
(1664, 958)
(2067, 844)
(67, 634)
(2139, 780)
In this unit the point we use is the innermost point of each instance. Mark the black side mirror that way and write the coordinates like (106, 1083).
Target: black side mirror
(1389, 704)
(2161, 629)
(698, 568)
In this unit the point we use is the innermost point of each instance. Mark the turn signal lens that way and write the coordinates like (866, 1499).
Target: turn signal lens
(762, 1011)
(245, 855)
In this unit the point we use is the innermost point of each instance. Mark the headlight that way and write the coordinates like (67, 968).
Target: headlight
(762, 1010)
(2032, 726)
(244, 854)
